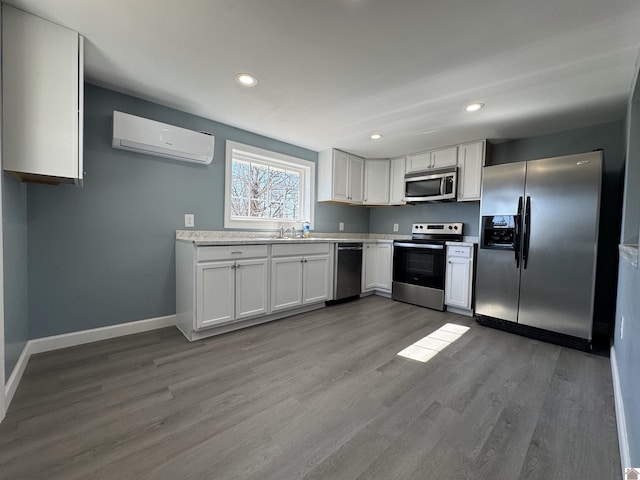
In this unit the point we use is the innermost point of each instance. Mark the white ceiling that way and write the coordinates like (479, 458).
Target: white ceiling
(331, 72)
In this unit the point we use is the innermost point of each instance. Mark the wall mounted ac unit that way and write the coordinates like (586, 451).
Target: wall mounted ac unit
(155, 138)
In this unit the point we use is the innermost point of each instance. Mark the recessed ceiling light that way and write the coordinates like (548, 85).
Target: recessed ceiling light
(246, 79)
(474, 107)
(376, 136)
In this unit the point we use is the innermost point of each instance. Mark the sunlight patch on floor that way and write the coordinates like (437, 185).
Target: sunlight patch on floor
(428, 347)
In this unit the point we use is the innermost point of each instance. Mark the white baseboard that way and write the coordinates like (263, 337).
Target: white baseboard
(625, 457)
(56, 342)
(16, 375)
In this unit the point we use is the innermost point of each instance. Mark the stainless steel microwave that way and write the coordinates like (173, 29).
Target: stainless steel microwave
(431, 185)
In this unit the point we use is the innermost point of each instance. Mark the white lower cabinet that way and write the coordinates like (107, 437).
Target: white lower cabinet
(286, 283)
(458, 291)
(384, 262)
(300, 275)
(316, 283)
(377, 266)
(223, 288)
(231, 290)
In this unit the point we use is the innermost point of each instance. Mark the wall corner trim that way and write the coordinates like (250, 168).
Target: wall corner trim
(56, 342)
(625, 457)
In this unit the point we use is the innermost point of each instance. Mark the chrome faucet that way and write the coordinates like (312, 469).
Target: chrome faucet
(284, 229)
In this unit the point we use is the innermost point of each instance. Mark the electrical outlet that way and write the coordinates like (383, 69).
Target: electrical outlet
(395, 227)
(341, 226)
(621, 327)
(189, 220)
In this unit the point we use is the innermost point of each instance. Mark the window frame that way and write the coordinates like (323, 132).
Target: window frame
(308, 169)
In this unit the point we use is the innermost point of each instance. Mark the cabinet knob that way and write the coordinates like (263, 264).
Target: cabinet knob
(233, 267)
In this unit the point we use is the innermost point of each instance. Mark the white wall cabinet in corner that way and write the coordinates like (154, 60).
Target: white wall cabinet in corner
(42, 109)
(396, 189)
(340, 177)
(376, 182)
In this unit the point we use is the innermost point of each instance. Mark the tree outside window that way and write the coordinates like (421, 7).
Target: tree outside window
(266, 189)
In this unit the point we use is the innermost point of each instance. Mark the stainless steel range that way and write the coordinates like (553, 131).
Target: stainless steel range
(419, 264)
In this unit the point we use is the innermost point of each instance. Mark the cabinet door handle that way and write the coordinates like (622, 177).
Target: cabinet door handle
(236, 253)
(233, 267)
(237, 267)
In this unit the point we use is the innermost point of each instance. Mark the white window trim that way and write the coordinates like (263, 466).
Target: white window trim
(309, 190)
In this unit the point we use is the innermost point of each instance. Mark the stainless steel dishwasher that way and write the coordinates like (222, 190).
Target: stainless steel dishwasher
(348, 270)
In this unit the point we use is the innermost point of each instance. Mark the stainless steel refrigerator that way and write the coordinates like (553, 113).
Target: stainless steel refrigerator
(538, 244)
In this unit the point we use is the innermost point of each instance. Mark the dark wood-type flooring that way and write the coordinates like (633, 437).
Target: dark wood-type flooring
(322, 395)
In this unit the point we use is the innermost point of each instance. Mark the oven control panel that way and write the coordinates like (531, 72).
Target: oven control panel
(437, 228)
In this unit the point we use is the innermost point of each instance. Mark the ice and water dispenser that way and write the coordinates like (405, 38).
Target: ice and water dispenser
(499, 232)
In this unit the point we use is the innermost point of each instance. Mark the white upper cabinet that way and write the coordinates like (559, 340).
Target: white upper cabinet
(376, 182)
(418, 162)
(396, 188)
(356, 179)
(340, 177)
(346, 178)
(444, 157)
(42, 110)
(471, 159)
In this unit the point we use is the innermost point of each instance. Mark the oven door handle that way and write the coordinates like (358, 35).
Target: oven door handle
(427, 246)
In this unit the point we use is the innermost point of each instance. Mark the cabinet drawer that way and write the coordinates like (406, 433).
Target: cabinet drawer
(459, 251)
(231, 252)
(299, 249)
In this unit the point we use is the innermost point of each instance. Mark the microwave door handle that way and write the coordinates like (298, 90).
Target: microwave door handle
(442, 186)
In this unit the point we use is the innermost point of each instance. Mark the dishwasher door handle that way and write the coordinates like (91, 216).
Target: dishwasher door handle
(349, 248)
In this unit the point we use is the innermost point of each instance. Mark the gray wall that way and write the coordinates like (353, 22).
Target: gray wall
(382, 218)
(104, 254)
(610, 138)
(14, 227)
(626, 342)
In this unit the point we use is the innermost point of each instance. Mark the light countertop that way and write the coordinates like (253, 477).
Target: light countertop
(208, 237)
(216, 237)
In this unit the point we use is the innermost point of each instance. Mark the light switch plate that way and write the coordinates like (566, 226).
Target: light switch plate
(189, 220)
(395, 227)
(341, 226)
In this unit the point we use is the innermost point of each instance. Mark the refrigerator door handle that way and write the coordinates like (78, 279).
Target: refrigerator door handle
(517, 233)
(527, 233)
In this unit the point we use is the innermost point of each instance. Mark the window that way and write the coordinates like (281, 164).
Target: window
(264, 189)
